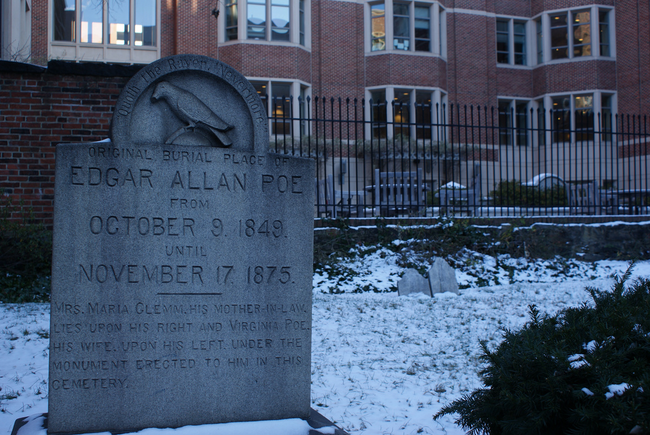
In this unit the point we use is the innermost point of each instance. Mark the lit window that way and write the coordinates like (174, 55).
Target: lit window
(282, 108)
(410, 24)
(559, 36)
(402, 112)
(584, 112)
(399, 112)
(561, 118)
(581, 34)
(571, 34)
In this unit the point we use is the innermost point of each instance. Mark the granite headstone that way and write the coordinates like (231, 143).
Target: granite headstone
(182, 263)
(413, 282)
(442, 277)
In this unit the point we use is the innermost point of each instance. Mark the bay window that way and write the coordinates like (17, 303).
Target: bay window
(572, 117)
(265, 20)
(575, 34)
(514, 122)
(283, 108)
(407, 112)
(113, 30)
(401, 26)
(511, 41)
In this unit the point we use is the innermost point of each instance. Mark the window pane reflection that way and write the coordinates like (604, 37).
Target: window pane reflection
(256, 11)
(92, 17)
(118, 22)
(378, 37)
(65, 15)
(145, 23)
(280, 20)
(401, 32)
(422, 29)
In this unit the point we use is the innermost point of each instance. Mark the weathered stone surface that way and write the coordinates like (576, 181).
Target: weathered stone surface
(190, 100)
(413, 282)
(181, 281)
(442, 277)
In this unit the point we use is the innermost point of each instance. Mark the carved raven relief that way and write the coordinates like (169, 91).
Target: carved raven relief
(191, 110)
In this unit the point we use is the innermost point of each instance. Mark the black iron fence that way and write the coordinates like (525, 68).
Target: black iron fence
(399, 159)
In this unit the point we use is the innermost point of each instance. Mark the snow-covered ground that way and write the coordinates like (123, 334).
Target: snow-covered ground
(381, 364)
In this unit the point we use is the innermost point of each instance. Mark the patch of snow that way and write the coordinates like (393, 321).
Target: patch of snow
(616, 389)
(587, 391)
(380, 363)
(578, 361)
(591, 346)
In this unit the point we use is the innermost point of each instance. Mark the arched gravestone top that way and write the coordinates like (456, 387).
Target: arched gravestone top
(190, 100)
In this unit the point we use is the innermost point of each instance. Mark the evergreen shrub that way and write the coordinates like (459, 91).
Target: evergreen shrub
(513, 193)
(25, 255)
(585, 371)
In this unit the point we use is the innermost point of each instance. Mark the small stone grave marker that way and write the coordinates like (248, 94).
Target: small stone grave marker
(182, 262)
(442, 277)
(413, 282)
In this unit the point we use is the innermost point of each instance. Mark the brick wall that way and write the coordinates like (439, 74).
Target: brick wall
(575, 76)
(39, 31)
(43, 110)
(338, 49)
(471, 59)
(405, 70)
(269, 61)
(196, 27)
(633, 56)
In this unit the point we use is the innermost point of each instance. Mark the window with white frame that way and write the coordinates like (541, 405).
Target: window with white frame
(284, 109)
(511, 41)
(407, 112)
(514, 122)
(403, 26)
(265, 20)
(114, 30)
(575, 34)
(15, 30)
(539, 39)
(572, 117)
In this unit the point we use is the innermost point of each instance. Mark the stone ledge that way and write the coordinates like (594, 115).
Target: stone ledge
(20, 67)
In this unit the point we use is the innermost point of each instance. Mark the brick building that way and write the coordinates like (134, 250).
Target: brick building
(65, 61)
